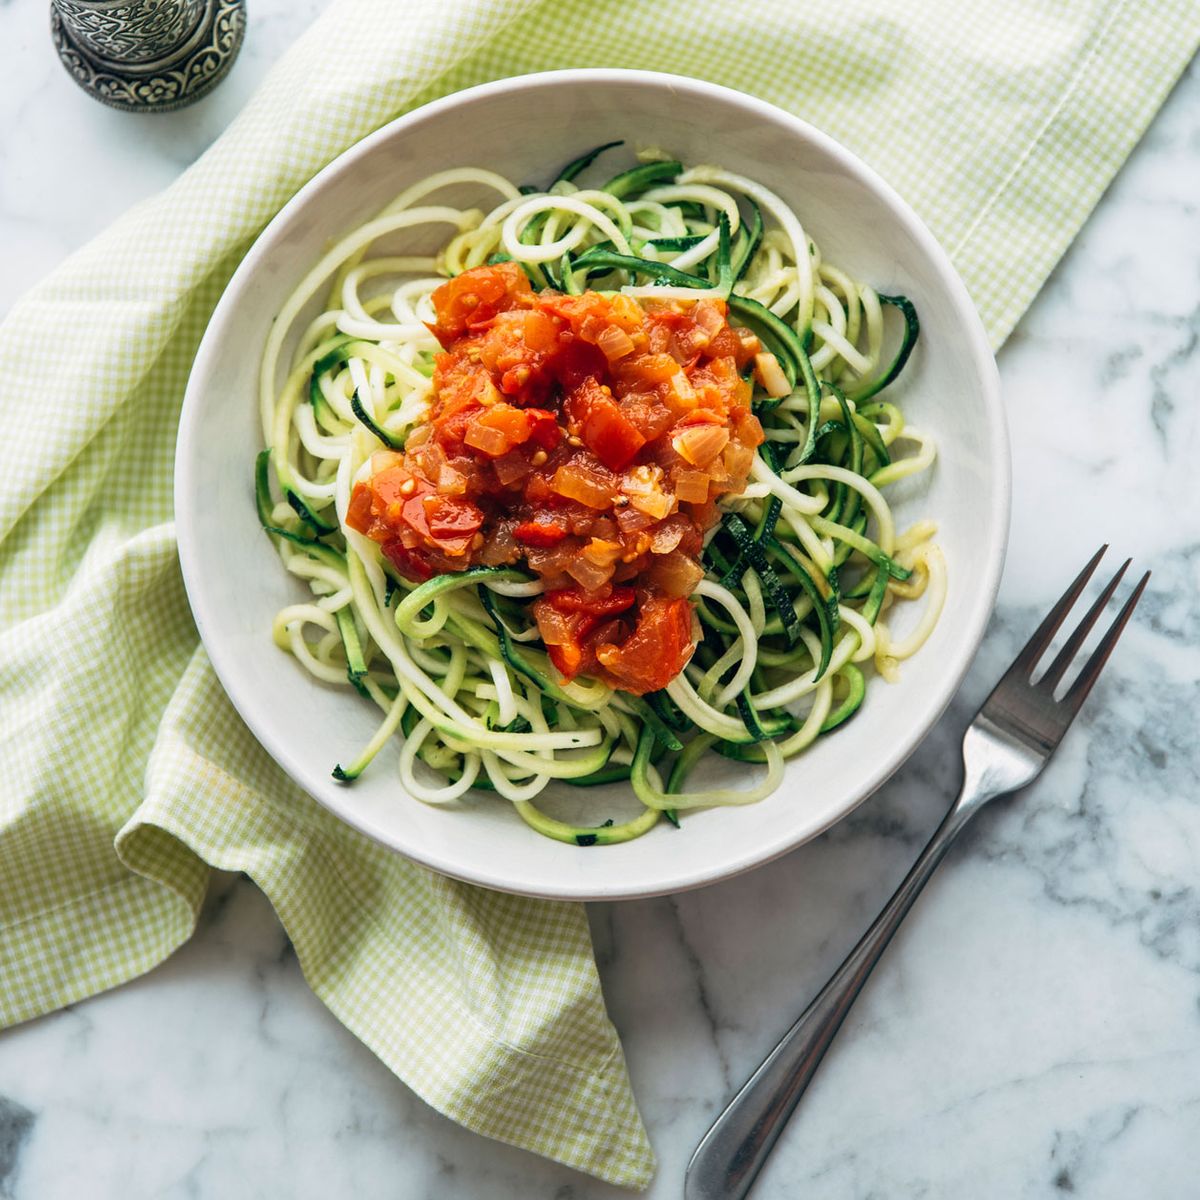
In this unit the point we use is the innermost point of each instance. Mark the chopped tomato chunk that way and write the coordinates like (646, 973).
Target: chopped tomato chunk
(358, 514)
(656, 651)
(545, 430)
(451, 518)
(610, 435)
(473, 298)
(568, 659)
(597, 603)
(540, 532)
(411, 566)
(642, 656)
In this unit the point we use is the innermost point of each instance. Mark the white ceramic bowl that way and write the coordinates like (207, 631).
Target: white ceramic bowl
(525, 128)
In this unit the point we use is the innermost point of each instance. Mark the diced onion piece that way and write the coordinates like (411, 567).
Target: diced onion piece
(451, 482)
(487, 393)
(737, 459)
(682, 390)
(551, 559)
(382, 459)
(483, 437)
(641, 479)
(501, 546)
(708, 316)
(588, 574)
(675, 574)
(614, 343)
(512, 466)
(668, 535)
(691, 486)
(603, 552)
(577, 483)
(429, 458)
(750, 343)
(631, 520)
(770, 374)
(650, 368)
(653, 504)
(643, 486)
(625, 311)
(700, 444)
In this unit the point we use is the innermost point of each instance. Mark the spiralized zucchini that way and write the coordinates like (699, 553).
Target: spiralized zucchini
(801, 571)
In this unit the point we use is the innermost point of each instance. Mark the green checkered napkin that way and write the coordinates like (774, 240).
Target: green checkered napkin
(124, 773)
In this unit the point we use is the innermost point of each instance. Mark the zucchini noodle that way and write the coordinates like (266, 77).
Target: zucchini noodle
(803, 571)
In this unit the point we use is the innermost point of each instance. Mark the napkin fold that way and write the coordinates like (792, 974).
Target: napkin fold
(124, 772)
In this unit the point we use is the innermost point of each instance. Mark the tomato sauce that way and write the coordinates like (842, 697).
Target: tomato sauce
(587, 437)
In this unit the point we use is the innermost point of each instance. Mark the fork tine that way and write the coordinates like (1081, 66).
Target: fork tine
(1064, 658)
(1033, 650)
(1094, 665)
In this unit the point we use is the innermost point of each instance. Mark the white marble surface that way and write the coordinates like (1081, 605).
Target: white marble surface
(1035, 1031)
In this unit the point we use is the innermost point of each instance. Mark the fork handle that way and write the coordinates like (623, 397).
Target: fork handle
(734, 1150)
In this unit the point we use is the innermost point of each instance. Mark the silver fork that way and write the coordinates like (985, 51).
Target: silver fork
(1006, 746)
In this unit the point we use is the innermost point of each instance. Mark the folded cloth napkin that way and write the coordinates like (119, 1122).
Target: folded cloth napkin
(124, 772)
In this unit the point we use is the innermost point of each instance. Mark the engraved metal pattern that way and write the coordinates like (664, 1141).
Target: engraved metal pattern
(147, 55)
(127, 33)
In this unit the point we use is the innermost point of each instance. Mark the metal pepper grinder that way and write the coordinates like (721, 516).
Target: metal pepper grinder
(147, 55)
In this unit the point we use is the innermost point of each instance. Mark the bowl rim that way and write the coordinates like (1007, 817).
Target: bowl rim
(982, 599)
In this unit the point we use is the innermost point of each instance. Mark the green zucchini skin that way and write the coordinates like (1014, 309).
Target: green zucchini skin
(306, 514)
(333, 358)
(392, 443)
(908, 343)
(597, 262)
(643, 176)
(578, 165)
(263, 504)
(676, 243)
(749, 240)
(853, 701)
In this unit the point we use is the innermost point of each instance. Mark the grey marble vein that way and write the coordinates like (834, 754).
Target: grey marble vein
(16, 1124)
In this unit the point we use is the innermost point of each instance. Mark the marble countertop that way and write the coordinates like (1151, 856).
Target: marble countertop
(1035, 1029)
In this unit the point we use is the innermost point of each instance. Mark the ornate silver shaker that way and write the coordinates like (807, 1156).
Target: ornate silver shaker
(147, 55)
